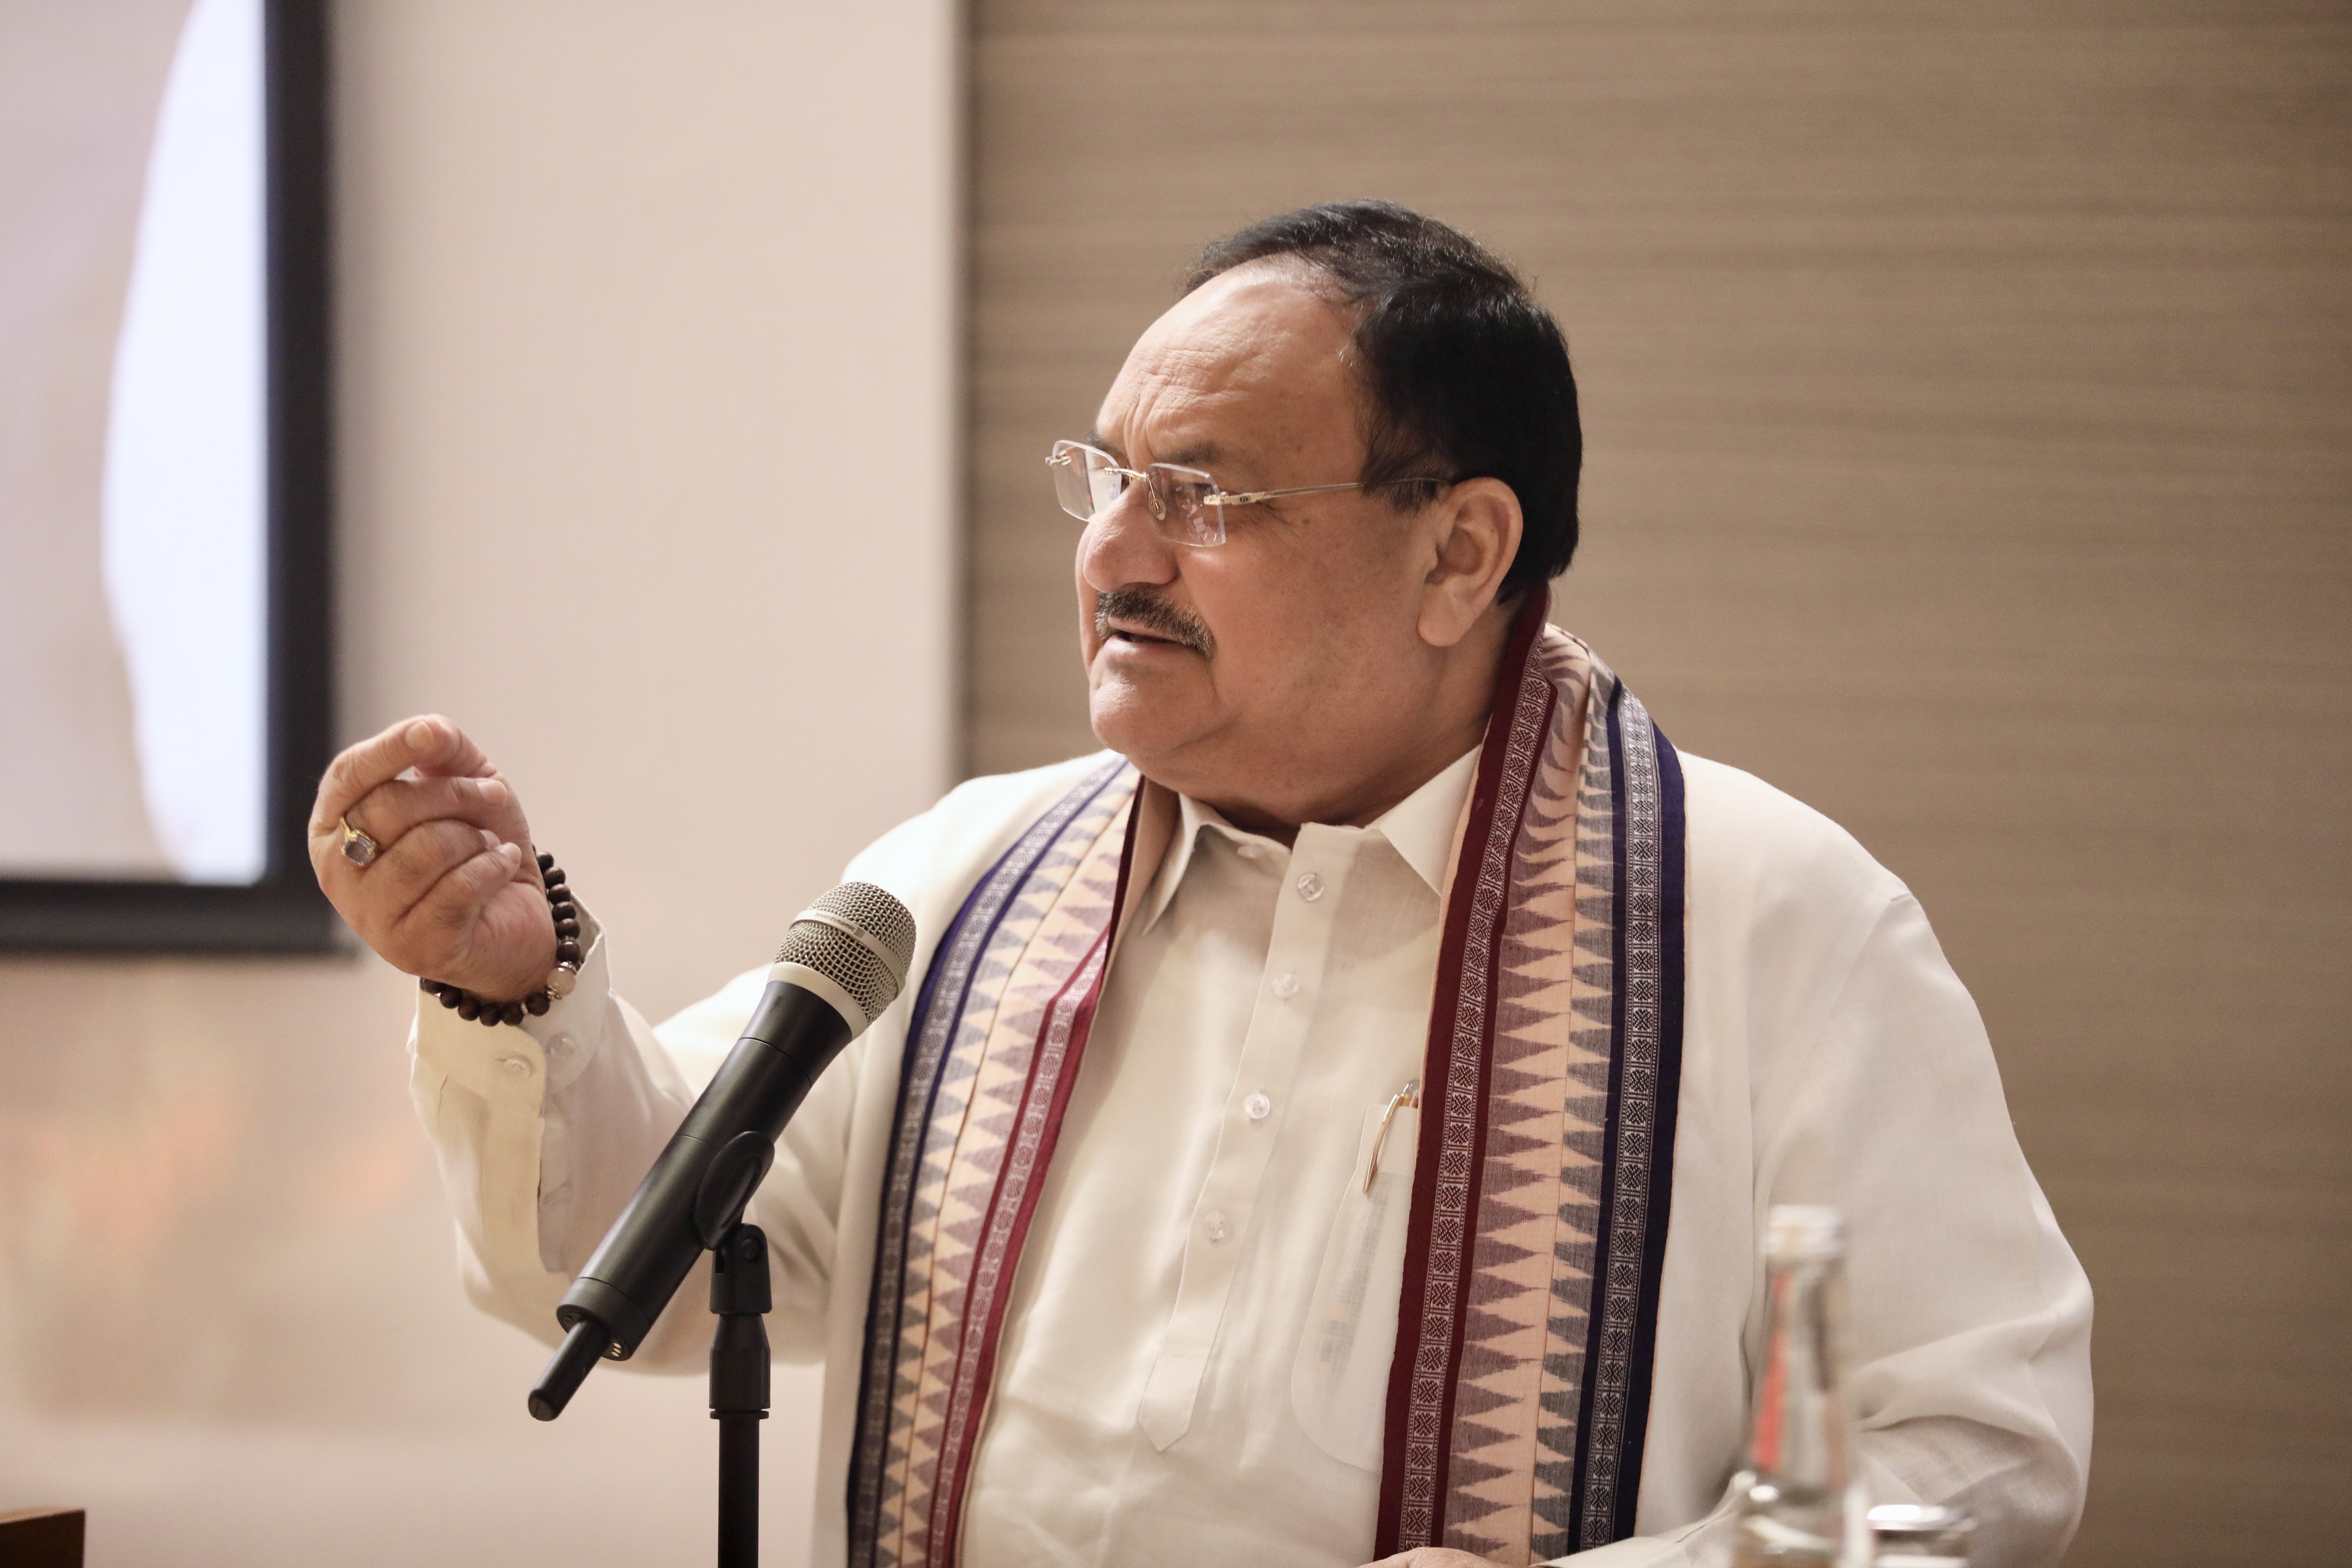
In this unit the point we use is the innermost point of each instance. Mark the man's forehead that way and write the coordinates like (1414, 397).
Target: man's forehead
(1260, 339)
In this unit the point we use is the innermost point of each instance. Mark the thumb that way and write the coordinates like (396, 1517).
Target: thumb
(438, 749)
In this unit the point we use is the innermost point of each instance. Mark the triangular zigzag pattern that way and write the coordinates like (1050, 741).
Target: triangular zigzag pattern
(1517, 1396)
(1520, 1381)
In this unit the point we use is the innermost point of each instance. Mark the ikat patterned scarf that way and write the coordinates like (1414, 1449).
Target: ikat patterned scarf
(1520, 1390)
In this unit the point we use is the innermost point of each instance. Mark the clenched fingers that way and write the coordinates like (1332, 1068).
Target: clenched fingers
(440, 925)
(451, 890)
(401, 875)
(429, 743)
(389, 811)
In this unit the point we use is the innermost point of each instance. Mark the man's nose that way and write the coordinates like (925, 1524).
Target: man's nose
(1123, 544)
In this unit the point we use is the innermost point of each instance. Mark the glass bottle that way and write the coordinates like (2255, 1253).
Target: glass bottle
(1801, 1503)
(1921, 1535)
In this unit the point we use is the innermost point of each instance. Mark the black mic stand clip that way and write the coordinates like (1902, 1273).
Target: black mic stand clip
(739, 1386)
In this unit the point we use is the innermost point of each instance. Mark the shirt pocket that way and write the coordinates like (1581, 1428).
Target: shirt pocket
(1339, 1376)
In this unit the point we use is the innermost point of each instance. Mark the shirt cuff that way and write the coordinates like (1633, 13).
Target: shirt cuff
(542, 1055)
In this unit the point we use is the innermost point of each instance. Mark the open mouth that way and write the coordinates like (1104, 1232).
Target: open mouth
(1141, 638)
(1139, 620)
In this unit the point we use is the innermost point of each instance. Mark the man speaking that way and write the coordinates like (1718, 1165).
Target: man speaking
(1336, 1120)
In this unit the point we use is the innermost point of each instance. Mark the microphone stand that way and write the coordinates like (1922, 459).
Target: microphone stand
(739, 1386)
(740, 1298)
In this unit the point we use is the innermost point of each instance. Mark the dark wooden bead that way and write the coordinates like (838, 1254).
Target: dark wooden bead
(567, 952)
(565, 911)
(536, 1003)
(546, 861)
(451, 996)
(469, 1006)
(511, 1014)
(552, 876)
(567, 927)
(489, 1018)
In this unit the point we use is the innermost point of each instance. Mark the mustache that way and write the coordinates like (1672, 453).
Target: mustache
(1154, 615)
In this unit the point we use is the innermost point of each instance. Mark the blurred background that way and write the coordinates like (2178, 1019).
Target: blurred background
(647, 474)
(1969, 407)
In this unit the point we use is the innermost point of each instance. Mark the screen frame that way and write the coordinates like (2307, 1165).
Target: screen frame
(284, 913)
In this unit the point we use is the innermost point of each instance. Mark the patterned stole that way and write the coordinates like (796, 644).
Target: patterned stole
(1520, 1390)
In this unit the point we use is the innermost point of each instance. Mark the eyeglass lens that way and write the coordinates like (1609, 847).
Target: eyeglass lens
(1086, 482)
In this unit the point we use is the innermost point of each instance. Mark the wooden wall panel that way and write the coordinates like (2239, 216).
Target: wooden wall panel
(1969, 424)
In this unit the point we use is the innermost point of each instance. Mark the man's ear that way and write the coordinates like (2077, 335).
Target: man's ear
(1473, 536)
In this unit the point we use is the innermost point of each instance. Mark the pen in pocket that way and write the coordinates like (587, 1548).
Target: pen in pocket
(1410, 1095)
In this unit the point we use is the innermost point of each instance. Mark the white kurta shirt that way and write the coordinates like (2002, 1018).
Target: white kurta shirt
(1195, 1360)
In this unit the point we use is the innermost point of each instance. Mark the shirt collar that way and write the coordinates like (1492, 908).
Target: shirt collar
(1419, 828)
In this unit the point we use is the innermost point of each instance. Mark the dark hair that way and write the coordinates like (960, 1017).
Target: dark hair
(1465, 374)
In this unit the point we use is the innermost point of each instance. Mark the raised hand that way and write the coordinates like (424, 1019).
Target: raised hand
(453, 891)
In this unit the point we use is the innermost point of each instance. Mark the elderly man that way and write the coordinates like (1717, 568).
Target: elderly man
(1336, 1120)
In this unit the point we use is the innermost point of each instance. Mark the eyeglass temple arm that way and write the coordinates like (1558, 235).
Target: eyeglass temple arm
(1251, 498)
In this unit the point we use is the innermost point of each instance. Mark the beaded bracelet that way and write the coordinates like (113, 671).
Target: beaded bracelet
(559, 980)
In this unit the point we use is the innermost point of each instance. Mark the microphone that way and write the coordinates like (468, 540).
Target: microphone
(843, 962)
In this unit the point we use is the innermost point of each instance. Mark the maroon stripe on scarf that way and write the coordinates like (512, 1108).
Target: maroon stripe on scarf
(1414, 1472)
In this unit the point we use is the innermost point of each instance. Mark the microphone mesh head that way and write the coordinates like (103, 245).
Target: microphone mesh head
(871, 980)
(874, 912)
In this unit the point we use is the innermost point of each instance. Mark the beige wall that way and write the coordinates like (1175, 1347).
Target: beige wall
(1971, 449)
(637, 303)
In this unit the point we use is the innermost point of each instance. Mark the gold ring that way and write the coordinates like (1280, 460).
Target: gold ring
(358, 847)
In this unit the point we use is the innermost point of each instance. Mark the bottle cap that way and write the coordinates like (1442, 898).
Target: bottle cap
(1803, 1233)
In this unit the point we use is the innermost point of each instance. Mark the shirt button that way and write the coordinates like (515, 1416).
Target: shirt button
(1215, 1226)
(560, 1045)
(1285, 986)
(1310, 887)
(516, 1066)
(1257, 1107)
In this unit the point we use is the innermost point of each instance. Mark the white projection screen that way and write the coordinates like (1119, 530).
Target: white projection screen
(164, 657)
